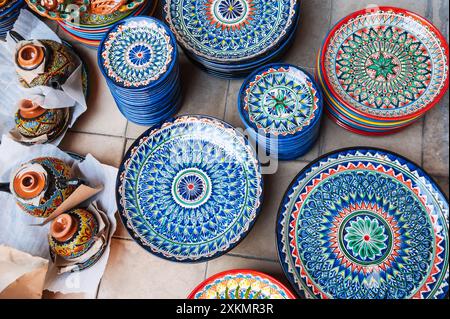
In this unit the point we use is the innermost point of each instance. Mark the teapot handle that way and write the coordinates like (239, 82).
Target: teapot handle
(4, 187)
(16, 36)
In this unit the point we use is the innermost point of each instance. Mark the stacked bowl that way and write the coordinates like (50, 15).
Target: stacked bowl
(9, 12)
(382, 69)
(231, 38)
(139, 59)
(281, 107)
(91, 28)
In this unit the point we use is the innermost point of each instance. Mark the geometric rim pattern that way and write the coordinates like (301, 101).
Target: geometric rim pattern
(223, 33)
(392, 270)
(396, 25)
(205, 225)
(241, 284)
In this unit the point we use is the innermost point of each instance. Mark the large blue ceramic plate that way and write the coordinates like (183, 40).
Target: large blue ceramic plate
(137, 52)
(230, 30)
(280, 100)
(364, 224)
(189, 190)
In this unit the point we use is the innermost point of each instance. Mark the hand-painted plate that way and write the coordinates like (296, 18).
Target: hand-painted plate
(241, 284)
(280, 99)
(364, 224)
(137, 52)
(190, 189)
(230, 30)
(386, 63)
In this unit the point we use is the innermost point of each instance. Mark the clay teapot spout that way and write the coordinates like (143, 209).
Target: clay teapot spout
(4, 187)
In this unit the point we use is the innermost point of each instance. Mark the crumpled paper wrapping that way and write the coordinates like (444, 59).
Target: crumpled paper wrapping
(16, 228)
(30, 27)
(22, 276)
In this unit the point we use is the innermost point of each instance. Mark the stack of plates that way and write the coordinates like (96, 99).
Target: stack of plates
(281, 107)
(9, 12)
(231, 38)
(381, 70)
(139, 59)
(364, 224)
(92, 27)
(190, 189)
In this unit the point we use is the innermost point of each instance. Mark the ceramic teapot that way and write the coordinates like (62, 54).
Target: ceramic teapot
(43, 62)
(41, 185)
(32, 120)
(73, 233)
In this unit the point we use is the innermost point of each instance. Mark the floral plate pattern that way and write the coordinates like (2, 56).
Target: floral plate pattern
(137, 52)
(241, 284)
(230, 30)
(386, 64)
(364, 224)
(281, 100)
(190, 189)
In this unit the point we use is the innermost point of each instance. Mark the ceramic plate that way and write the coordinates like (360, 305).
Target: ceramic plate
(230, 30)
(241, 284)
(280, 99)
(386, 64)
(364, 224)
(137, 52)
(190, 189)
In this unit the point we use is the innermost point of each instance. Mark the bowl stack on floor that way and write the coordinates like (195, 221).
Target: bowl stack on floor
(139, 59)
(382, 70)
(231, 38)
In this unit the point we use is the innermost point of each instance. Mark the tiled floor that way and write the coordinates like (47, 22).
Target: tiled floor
(102, 131)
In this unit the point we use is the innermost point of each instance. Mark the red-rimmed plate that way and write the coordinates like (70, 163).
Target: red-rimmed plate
(386, 63)
(241, 284)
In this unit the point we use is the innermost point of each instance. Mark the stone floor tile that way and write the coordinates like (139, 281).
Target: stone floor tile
(133, 272)
(107, 149)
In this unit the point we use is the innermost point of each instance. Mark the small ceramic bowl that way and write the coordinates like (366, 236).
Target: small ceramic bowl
(73, 233)
(33, 121)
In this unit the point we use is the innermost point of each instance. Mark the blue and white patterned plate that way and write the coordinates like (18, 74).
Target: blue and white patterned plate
(230, 30)
(364, 224)
(137, 52)
(280, 99)
(190, 189)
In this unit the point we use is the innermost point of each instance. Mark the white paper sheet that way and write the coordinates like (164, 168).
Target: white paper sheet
(15, 229)
(30, 27)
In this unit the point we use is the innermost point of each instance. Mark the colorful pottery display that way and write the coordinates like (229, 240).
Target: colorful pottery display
(139, 59)
(59, 9)
(9, 11)
(231, 38)
(73, 233)
(41, 185)
(33, 121)
(92, 27)
(281, 107)
(364, 224)
(190, 189)
(381, 70)
(241, 284)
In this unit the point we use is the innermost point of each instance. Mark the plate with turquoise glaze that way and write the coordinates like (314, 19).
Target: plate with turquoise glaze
(190, 189)
(137, 52)
(364, 223)
(241, 284)
(230, 30)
